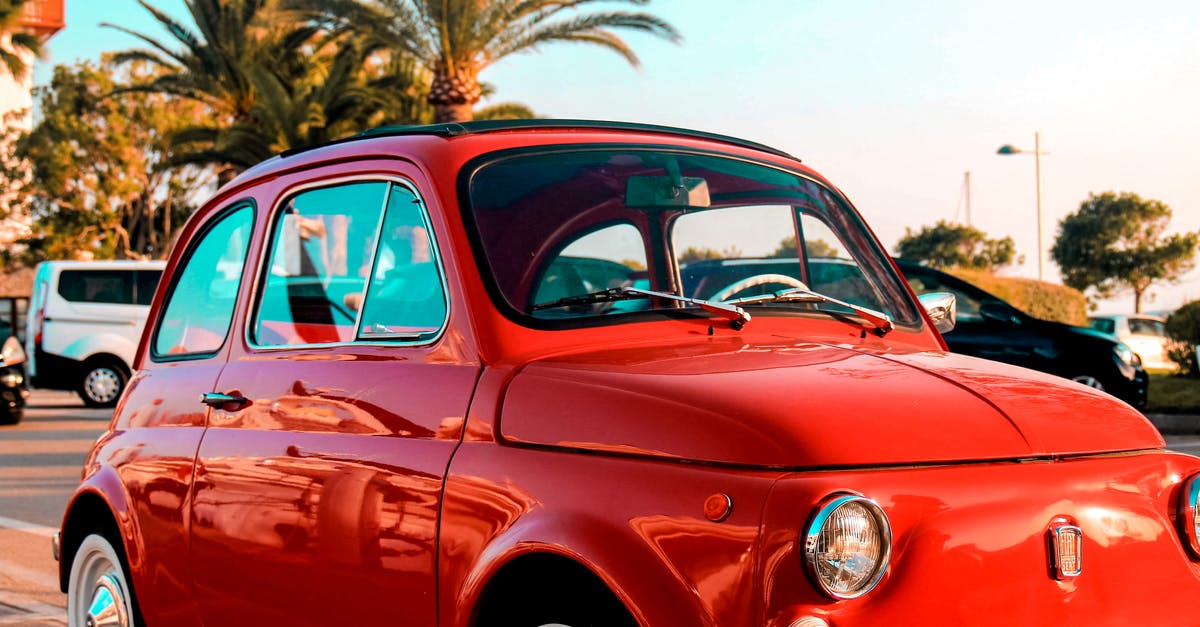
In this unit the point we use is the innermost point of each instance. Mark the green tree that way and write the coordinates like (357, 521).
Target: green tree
(455, 40)
(814, 247)
(694, 253)
(19, 43)
(100, 182)
(1118, 242)
(1183, 327)
(947, 245)
(271, 81)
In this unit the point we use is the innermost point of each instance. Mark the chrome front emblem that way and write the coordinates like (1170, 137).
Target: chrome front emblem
(1066, 551)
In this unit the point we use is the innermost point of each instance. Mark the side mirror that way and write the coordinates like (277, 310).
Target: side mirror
(942, 308)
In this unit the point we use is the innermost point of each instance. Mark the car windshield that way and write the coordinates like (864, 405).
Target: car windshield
(551, 226)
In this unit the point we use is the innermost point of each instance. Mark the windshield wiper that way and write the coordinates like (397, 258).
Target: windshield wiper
(877, 319)
(736, 316)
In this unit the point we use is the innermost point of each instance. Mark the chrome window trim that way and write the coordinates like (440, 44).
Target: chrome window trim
(812, 533)
(1189, 515)
(251, 319)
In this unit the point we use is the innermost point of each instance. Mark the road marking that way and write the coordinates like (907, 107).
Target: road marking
(27, 527)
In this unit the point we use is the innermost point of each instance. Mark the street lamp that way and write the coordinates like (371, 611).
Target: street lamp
(1009, 149)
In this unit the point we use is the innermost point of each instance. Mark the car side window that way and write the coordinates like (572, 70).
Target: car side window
(199, 307)
(350, 261)
(321, 252)
(406, 298)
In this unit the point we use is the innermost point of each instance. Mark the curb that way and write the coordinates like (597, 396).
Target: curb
(1175, 424)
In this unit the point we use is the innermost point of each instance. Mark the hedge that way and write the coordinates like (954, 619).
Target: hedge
(1039, 299)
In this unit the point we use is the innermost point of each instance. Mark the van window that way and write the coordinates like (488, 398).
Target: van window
(118, 287)
(199, 308)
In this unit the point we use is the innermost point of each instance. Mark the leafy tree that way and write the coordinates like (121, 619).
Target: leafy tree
(1183, 327)
(1118, 242)
(947, 245)
(694, 253)
(19, 43)
(100, 182)
(271, 81)
(455, 40)
(815, 248)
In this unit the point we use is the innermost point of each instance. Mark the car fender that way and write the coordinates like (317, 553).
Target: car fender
(106, 485)
(650, 588)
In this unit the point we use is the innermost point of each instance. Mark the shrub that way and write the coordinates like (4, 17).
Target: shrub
(1039, 299)
(1183, 327)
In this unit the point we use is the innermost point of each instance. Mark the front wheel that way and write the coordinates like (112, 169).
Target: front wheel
(98, 595)
(102, 383)
(1089, 381)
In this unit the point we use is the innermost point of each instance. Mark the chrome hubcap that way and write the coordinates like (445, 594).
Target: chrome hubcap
(108, 604)
(1089, 381)
(102, 384)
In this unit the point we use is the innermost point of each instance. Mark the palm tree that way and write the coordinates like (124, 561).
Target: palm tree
(273, 81)
(457, 39)
(18, 43)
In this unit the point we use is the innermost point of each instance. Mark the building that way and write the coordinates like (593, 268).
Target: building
(44, 18)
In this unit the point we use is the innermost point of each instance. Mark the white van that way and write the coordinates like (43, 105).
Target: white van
(85, 319)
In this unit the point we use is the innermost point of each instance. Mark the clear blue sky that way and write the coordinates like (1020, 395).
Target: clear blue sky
(893, 101)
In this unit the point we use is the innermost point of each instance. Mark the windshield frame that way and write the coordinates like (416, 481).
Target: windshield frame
(875, 259)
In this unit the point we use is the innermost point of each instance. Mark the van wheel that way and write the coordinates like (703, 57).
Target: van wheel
(102, 383)
(97, 591)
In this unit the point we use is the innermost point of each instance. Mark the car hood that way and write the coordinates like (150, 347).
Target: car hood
(776, 402)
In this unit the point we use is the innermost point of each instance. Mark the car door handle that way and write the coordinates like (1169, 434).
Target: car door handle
(213, 399)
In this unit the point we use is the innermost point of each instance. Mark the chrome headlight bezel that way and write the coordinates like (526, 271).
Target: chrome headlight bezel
(813, 539)
(1189, 515)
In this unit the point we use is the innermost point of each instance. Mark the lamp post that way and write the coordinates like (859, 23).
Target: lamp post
(1009, 149)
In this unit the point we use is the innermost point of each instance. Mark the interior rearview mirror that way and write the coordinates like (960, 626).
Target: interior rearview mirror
(666, 191)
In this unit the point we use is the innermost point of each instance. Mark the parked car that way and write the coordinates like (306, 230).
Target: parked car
(1145, 335)
(408, 378)
(14, 390)
(84, 322)
(990, 328)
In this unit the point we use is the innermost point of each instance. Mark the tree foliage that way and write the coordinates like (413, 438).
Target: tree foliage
(271, 81)
(813, 247)
(1118, 242)
(947, 245)
(455, 40)
(695, 253)
(19, 43)
(1183, 328)
(100, 181)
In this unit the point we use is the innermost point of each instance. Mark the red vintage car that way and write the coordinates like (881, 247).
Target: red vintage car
(452, 375)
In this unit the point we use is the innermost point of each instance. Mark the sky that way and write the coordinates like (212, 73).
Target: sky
(893, 101)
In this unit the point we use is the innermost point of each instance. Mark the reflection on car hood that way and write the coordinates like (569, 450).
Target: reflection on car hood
(782, 403)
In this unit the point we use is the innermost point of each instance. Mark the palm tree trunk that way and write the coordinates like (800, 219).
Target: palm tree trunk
(453, 96)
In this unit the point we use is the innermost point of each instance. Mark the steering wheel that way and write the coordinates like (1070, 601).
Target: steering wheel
(755, 281)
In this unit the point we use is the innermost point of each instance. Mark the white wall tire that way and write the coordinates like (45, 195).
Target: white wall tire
(98, 595)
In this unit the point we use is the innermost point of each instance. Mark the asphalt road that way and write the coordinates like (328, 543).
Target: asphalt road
(40, 461)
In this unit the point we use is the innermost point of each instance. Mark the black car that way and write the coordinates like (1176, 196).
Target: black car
(13, 387)
(990, 328)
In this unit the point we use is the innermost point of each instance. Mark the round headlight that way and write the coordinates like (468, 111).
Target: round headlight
(1189, 514)
(846, 546)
